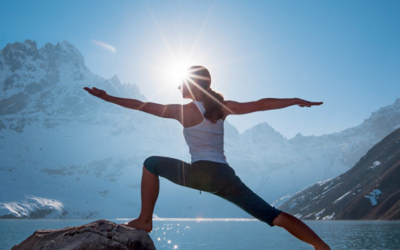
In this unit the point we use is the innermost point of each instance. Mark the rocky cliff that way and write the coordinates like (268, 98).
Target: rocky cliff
(368, 191)
(101, 234)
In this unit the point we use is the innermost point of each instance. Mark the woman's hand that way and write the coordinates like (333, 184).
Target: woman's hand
(96, 92)
(304, 103)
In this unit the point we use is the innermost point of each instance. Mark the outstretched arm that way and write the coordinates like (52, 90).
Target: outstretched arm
(237, 108)
(166, 111)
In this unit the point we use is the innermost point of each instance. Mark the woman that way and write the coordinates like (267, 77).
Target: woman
(202, 122)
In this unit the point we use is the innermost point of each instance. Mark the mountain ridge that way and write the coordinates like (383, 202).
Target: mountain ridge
(369, 191)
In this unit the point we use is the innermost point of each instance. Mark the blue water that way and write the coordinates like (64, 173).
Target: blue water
(204, 235)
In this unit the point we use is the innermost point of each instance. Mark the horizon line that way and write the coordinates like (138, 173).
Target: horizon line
(196, 219)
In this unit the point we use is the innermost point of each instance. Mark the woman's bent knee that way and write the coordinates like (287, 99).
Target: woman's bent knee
(151, 164)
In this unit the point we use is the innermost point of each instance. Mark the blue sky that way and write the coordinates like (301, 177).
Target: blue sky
(345, 53)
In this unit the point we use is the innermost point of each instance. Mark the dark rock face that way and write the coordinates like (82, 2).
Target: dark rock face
(101, 234)
(368, 191)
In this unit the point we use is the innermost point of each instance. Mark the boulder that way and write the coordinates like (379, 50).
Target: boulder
(101, 234)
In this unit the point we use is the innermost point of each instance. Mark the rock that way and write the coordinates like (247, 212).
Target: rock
(101, 234)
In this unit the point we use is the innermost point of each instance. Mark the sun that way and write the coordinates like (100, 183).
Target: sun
(179, 72)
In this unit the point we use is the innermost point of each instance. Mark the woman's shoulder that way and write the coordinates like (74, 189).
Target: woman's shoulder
(192, 115)
(189, 106)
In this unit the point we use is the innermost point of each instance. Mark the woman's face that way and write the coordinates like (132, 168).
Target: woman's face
(187, 89)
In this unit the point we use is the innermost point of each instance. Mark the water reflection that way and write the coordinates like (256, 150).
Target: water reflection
(227, 234)
(232, 234)
(168, 235)
(365, 234)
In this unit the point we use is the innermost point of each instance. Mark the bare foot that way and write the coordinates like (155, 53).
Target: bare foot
(139, 224)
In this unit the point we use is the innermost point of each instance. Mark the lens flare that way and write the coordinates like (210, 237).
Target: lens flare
(179, 72)
(105, 46)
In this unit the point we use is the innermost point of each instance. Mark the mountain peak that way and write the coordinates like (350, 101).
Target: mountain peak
(264, 126)
(49, 81)
(263, 132)
(67, 46)
(63, 53)
(397, 102)
(114, 79)
(16, 55)
(28, 46)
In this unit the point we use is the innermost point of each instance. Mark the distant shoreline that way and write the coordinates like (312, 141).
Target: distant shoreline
(182, 219)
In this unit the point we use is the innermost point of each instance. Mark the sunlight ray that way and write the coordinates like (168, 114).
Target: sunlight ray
(174, 72)
(162, 35)
(177, 64)
(151, 67)
(233, 60)
(201, 31)
(168, 81)
(209, 95)
(160, 92)
(170, 94)
(205, 54)
(159, 57)
(190, 90)
(183, 142)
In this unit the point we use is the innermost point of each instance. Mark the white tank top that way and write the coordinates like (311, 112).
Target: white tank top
(206, 140)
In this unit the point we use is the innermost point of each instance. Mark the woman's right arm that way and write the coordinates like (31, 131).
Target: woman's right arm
(172, 111)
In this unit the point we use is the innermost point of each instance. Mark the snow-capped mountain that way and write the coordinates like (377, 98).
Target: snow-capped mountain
(59, 143)
(369, 190)
(67, 154)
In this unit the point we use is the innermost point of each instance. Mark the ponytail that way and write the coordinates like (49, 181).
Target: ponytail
(213, 104)
(212, 100)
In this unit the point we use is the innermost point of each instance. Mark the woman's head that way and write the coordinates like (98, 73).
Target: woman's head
(196, 84)
(197, 87)
(200, 75)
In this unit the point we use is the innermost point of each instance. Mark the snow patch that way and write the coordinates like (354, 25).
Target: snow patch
(298, 216)
(329, 217)
(281, 200)
(320, 183)
(318, 215)
(26, 208)
(374, 196)
(374, 164)
(341, 197)
(330, 189)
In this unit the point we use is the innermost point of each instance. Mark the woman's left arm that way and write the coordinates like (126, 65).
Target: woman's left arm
(239, 108)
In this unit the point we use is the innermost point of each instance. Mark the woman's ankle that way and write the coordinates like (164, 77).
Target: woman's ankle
(141, 223)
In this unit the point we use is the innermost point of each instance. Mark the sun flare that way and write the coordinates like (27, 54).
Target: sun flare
(105, 46)
(179, 72)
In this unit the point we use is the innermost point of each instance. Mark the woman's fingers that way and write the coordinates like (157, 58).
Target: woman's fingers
(309, 104)
(92, 91)
(96, 92)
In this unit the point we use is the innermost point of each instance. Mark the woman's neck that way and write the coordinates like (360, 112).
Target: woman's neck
(198, 98)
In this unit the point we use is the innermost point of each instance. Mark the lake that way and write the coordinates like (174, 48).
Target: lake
(231, 234)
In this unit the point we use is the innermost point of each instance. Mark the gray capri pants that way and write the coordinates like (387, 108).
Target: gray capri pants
(216, 178)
